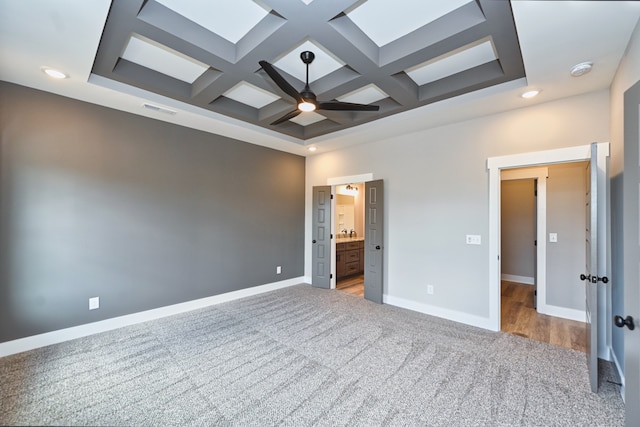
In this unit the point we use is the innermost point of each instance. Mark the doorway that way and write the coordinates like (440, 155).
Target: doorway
(523, 228)
(496, 166)
(350, 238)
(323, 249)
(559, 318)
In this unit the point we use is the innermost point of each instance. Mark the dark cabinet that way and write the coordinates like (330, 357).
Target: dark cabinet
(349, 258)
(340, 265)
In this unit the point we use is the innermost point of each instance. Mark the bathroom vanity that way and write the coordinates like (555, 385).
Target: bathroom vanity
(349, 257)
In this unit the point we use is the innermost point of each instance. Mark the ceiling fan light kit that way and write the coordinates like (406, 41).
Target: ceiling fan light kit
(306, 106)
(306, 99)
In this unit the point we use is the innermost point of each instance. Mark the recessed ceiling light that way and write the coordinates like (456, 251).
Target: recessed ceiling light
(581, 69)
(158, 109)
(52, 72)
(530, 93)
(312, 149)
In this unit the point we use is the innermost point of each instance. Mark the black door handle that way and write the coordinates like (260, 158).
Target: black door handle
(594, 279)
(627, 321)
(313, 241)
(378, 247)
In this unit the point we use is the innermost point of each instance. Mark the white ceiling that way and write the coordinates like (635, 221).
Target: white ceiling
(553, 36)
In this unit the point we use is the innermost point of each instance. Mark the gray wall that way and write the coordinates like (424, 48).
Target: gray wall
(517, 215)
(566, 216)
(142, 213)
(436, 192)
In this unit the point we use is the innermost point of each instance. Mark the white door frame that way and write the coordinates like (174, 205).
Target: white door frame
(333, 182)
(540, 158)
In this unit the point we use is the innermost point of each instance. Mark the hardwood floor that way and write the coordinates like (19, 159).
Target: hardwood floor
(352, 285)
(520, 318)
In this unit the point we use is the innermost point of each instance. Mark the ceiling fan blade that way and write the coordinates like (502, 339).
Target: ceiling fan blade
(286, 117)
(346, 106)
(280, 81)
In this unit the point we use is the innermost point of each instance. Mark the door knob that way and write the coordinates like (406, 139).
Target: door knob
(627, 321)
(594, 279)
(378, 247)
(313, 241)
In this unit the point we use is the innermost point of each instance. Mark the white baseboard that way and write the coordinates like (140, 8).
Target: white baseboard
(565, 313)
(55, 337)
(620, 373)
(456, 316)
(518, 279)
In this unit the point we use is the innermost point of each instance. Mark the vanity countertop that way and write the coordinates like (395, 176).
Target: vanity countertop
(349, 239)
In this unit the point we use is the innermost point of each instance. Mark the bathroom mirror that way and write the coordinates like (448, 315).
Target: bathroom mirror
(345, 214)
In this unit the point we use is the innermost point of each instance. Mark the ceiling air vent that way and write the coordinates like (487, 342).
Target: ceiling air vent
(158, 109)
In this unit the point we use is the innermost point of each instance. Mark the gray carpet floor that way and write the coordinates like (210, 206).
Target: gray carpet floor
(302, 356)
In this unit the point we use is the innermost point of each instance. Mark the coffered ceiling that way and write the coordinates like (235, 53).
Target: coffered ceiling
(194, 63)
(206, 54)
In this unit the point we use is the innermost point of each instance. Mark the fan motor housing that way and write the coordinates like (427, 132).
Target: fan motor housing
(307, 57)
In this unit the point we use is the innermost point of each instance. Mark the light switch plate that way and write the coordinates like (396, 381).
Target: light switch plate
(474, 239)
(94, 303)
(553, 237)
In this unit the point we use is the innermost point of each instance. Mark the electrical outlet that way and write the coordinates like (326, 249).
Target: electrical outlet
(430, 289)
(278, 269)
(94, 303)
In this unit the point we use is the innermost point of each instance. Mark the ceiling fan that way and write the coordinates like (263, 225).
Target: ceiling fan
(306, 99)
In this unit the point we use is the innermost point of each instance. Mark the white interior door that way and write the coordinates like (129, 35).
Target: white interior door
(590, 278)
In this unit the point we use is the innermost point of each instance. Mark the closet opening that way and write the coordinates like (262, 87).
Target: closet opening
(542, 250)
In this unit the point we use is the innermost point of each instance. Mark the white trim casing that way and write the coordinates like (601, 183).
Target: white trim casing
(55, 337)
(351, 179)
(561, 155)
(333, 182)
